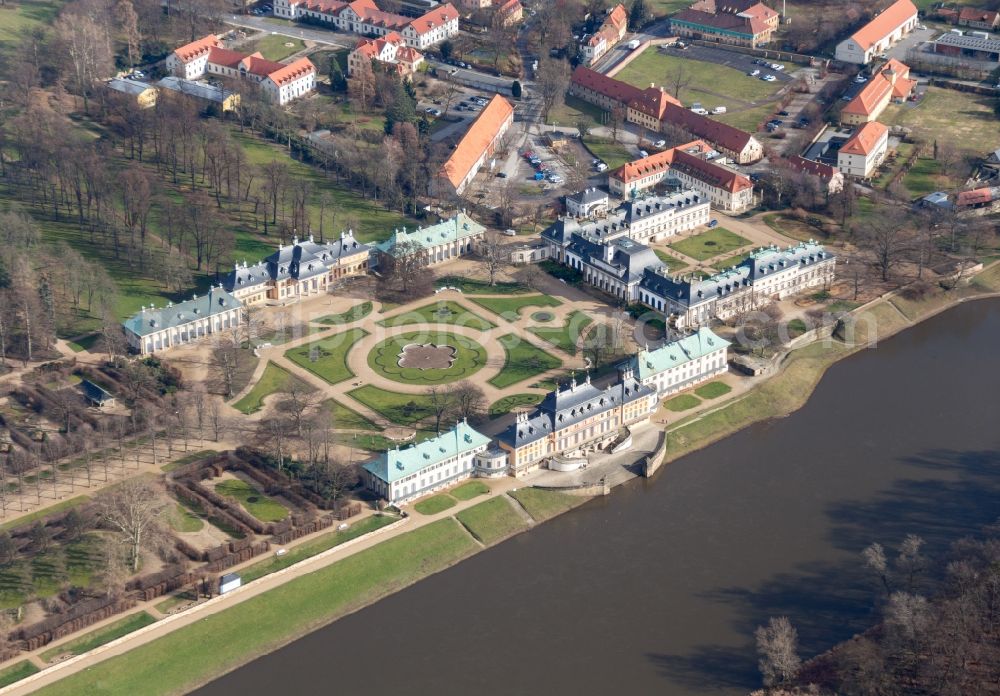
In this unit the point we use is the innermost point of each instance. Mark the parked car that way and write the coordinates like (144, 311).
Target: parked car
(643, 153)
(555, 178)
(713, 223)
(433, 112)
(501, 175)
(778, 66)
(602, 167)
(699, 110)
(660, 143)
(754, 73)
(860, 79)
(719, 110)
(510, 233)
(768, 78)
(539, 176)
(782, 113)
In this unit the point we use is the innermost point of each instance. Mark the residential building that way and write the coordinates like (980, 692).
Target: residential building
(886, 29)
(444, 241)
(480, 142)
(978, 18)
(830, 176)
(280, 82)
(144, 94)
(643, 219)
(152, 330)
(587, 203)
(611, 31)
(655, 109)
(864, 151)
(736, 22)
(301, 269)
(891, 83)
(615, 266)
(767, 274)
(512, 12)
(364, 17)
(475, 4)
(681, 364)
(968, 47)
(390, 51)
(574, 421)
(402, 475)
(692, 166)
(224, 99)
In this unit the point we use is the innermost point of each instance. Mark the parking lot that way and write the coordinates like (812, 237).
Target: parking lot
(731, 59)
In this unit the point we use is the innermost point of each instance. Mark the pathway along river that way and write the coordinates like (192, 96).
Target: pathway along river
(658, 588)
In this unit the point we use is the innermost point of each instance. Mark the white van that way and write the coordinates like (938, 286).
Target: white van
(699, 110)
(719, 110)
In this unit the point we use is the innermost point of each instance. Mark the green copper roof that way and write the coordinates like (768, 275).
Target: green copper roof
(458, 227)
(400, 463)
(151, 320)
(652, 362)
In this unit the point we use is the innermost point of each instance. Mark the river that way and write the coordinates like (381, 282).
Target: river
(658, 588)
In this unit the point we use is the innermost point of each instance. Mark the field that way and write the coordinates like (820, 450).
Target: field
(18, 19)
(493, 520)
(665, 7)
(709, 244)
(509, 403)
(510, 307)
(327, 358)
(274, 47)
(178, 662)
(443, 312)
(711, 84)
(262, 507)
(402, 409)
(574, 111)
(613, 154)
(964, 122)
(106, 634)
(523, 361)
(925, 176)
(568, 334)
(273, 380)
(543, 505)
(347, 418)
(469, 357)
(355, 313)
(435, 504)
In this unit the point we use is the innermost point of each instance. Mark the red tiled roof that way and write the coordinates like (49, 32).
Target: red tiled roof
(608, 86)
(720, 134)
(653, 101)
(976, 196)
(618, 18)
(293, 71)
(974, 14)
(195, 49)
(880, 27)
(435, 18)
(510, 7)
(751, 26)
(685, 158)
(477, 139)
(865, 139)
(868, 99)
(801, 164)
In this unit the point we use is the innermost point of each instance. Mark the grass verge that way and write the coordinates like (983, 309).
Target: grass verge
(105, 634)
(435, 504)
(493, 520)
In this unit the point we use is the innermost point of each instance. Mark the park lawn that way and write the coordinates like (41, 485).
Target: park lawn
(374, 442)
(565, 337)
(16, 672)
(522, 362)
(182, 520)
(674, 265)
(709, 244)
(347, 418)
(749, 120)
(713, 390)
(264, 508)
(574, 111)
(441, 312)
(105, 634)
(63, 506)
(374, 223)
(925, 177)
(510, 307)
(272, 380)
(665, 7)
(728, 262)
(327, 357)
(316, 546)
(355, 313)
(469, 357)
(399, 408)
(434, 504)
(469, 490)
(611, 153)
(493, 520)
(681, 403)
(960, 120)
(274, 47)
(472, 286)
(509, 403)
(19, 19)
(543, 505)
(711, 84)
(179, 662)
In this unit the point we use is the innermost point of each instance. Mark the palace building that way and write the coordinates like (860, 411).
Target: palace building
(681, 364)
(152, 330)
(444, 241)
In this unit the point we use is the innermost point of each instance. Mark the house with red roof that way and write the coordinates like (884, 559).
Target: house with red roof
(365, 17)
(830, 176)
(886, 29)
(736, 22)
(281, 82)
(978, 18)
(864, 151)
(987, 197)
(612, 31)
(390, 51)
(890, 84)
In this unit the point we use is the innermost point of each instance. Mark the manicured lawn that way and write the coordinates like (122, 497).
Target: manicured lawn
(509, 403)
(16, 672)
(567, 335)
(711, 84)
(681, 403)
(442, 312)
(468, 359)
(273, 380)
(713, 390)
(316, 546)
(523, 361)
(510, 307)
(358, 311)
(105, 634)
(469, 490)
(963, 121)
(472, 286)
(543, 505)
(345, 418)
(665, 7)
(183, 520)
(274, 47)
(180, 661)
(710, 243)
(435, 504)
(327, 357)
(674, 265)
(728, 262)
(256, 503)
(613, 154)
(492, 520)
(748, 119)
(574, 111)
(402, 409)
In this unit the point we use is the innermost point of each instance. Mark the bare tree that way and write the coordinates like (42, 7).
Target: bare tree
(470, 401)
(494, 254)
(441, 401)
(679, 77)
(777, 649)
(133, 509)
(888, 238)
(553, 80)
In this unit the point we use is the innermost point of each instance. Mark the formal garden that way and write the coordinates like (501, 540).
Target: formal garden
(427, 357)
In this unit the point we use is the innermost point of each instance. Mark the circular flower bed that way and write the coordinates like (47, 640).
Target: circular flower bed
(543, 316)
(427, 357)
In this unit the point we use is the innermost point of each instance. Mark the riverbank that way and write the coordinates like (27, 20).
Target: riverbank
(241, 633)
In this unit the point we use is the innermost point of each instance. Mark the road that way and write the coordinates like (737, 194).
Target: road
(321, 36)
